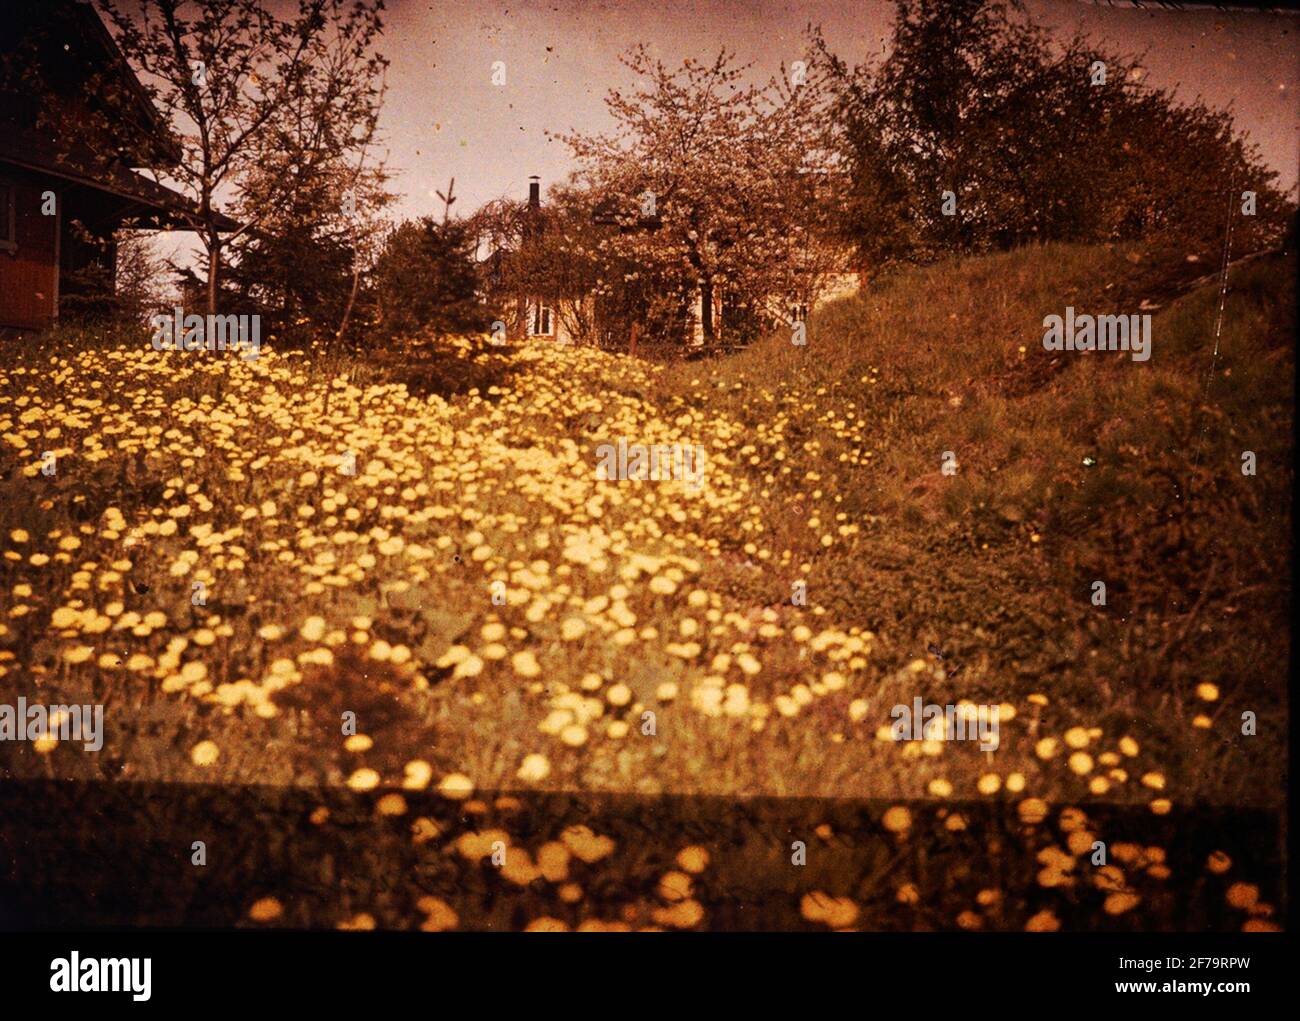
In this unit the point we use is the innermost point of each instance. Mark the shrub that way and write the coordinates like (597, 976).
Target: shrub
(426, 278)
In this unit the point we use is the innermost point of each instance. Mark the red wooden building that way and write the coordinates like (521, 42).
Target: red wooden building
(75, 127)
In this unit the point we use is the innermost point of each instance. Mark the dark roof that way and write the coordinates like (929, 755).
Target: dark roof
(72, 49)
(58, 56)
(97, 36)
(178, 210)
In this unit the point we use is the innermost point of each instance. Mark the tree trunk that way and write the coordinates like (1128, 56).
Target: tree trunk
(347, 309)
(214, 265)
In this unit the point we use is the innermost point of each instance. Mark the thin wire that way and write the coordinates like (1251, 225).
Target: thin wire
(1218, 320)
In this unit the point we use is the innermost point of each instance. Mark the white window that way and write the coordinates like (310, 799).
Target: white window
(541, 321)
(8, 219)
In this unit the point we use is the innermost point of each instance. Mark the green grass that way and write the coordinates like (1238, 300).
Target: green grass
(996, 563)
(826, 468)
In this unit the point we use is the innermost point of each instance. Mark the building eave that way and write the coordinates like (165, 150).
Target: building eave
(179, 211)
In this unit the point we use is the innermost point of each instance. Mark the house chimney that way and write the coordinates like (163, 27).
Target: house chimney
(534, 192)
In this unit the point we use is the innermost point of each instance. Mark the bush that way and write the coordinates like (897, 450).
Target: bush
(979, 132)
(426, 279)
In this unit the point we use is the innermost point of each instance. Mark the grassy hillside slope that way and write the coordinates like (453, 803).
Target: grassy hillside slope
(419, 538)
(1072, 468)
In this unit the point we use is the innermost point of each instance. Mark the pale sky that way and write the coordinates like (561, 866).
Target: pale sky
(445, 118)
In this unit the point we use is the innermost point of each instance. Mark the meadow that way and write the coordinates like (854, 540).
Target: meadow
(396, 578)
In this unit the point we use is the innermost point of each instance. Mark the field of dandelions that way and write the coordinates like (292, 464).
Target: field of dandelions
(305, 573)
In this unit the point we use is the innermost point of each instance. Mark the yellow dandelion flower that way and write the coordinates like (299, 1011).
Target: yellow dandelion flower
(418, 773)
(897, 819)
(391, 804)
(1077, 737)
(439, 915)
(534, 769)
(1218, 862)
(553, 861)
(1121, 901)
(693, 859)
(471, 666)
(1080, 763)
(268, 909)
(423, 830)
(674, 886)
(586, 845)
(46, 743)
(619, 695)
(546, 924)
(364, 779)
(684, 914)
(1242, 896)
(456, 787)
(78, 654)
(834, 912)
(525, 664)
(454, 656)
(205, 753)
